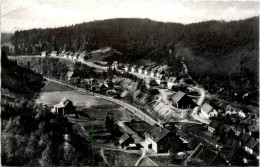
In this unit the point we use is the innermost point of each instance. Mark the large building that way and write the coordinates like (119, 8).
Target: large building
(208, 111)
(181, 100)
(159, 139)
(64, 107)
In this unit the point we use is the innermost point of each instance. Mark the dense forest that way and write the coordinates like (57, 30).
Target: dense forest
(218, 54)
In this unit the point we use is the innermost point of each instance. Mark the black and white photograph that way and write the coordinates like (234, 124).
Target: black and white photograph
(129, 83)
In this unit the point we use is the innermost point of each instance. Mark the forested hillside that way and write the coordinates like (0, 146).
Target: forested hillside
(214, 51)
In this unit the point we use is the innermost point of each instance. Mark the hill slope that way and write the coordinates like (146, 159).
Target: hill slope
(218, 54)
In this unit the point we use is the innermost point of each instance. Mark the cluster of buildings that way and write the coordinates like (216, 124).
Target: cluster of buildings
(158, 73)
(68, 55)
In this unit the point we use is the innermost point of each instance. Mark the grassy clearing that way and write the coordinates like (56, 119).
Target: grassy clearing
(139, 127)
(118, 158)
(52, 86)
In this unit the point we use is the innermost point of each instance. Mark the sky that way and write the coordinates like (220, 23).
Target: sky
(28, 14)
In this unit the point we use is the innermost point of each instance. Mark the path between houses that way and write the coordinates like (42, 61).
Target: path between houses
(103, 156)
(142, 156)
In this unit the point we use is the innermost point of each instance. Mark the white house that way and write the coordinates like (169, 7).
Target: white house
(115, 65)
(160, 72)
(147, 71)
(71, 56)
(153, 72)
(62, 53)
(171, 82)
(140, 70)
(44, 54)
(133, 68)
(54, 53)
(82, 55)
(208, 111)
(241, 114)
(161, 79)
(252, 146)
(76, 56)
(126, 67)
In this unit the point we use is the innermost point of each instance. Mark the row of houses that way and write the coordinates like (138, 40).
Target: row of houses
(69, 55)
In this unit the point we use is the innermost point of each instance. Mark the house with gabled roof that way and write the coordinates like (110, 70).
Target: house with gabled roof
(76, 56)
(114, 65)
(71, 56)
(181, 100)
(161, 79)
(252, 146)
(82, 55)
(208, 111)
(54, 53)
(64, 107)
(159, 139)
(66, 55)
(134, 68)
(125, 140)
(127, 67)
(62, 53)
(207, 156)
(44, 54)
(141, 69)
(160, 72)
(69, 75)
(147, 71)
(213, 126)
(171, 82)
(154, 71)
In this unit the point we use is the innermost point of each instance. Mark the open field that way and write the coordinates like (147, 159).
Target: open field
(139, 127)
(52, 86)
(118, 158)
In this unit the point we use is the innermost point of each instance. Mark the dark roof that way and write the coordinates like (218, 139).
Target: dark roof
(206, 108)
(208, 156)
(161, 77)
(156, 133)
(245, 137)
(214, 124)
(123, 138)
(178, 96)
(252, 143)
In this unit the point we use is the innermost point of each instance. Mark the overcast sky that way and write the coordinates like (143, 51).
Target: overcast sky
(27, 14)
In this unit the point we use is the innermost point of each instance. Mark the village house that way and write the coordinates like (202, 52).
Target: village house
(238, 130)
(44, 54)
(109, 84)
(147, 71)
(76, 56)
(141, 69)
(241, 114)
(54, 53)
(252, 146)
(208, 111)
(159, 139)
(127, 68)
(160, 72)
(64, 107)
(91, 81)
(207, 156)
(171, 82)
(161, 80)
(82, 55)
(133, 68)
(69, 75)
(153, 71)
(66, 55)
(115, 65)
(62, 53)
(101, 87)
(213, 126)
(71, 56)
(181, 100)
(125, 140)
